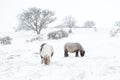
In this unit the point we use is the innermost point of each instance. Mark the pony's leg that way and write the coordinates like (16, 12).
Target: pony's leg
(76, 54)
(41, 61)
(65, 53)
(52, 54)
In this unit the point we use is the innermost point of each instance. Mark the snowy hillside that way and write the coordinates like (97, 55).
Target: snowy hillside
(21, 61)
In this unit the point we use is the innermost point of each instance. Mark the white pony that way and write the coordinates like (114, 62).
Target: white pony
(46, 52)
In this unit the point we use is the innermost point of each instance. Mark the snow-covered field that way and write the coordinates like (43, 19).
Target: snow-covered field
(21, 61)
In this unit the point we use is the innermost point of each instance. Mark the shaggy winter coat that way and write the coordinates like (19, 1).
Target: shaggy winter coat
(73, 47)
(46, 52)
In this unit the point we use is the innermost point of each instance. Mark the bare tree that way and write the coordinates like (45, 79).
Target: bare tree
(69, 22)
(35, 19)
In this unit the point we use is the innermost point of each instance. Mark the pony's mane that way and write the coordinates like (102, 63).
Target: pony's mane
(42, 46)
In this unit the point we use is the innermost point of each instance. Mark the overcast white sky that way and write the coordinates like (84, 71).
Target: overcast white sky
(103, 12)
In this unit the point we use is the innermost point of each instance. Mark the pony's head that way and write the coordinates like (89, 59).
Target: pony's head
(46, 60)
(82, 53)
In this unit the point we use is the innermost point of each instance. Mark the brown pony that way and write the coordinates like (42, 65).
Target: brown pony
(73, 47)
(46, 52)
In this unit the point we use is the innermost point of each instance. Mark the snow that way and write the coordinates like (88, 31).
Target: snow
(21, 59)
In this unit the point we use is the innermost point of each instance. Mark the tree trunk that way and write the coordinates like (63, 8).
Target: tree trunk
(70, 30)
(38, 31)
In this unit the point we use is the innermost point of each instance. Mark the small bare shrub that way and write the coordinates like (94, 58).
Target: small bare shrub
(5, 40)
(57, 34)
(34, 39)
(114, 32)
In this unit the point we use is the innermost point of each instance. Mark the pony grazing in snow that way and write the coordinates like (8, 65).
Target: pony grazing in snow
(46, 52)
(73, 47)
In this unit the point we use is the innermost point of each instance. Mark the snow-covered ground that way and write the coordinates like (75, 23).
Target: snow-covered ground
(21, 61)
